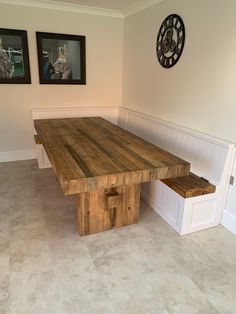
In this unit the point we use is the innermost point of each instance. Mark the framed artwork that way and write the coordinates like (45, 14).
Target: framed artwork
(61, 58)
(14, 57)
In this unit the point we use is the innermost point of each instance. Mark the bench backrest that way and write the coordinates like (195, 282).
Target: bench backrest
(209, 156)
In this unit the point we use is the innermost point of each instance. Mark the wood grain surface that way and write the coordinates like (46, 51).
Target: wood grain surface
(190, 186)
(91, 153)
(102, 210)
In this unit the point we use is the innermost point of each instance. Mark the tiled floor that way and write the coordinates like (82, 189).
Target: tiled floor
(45, 267)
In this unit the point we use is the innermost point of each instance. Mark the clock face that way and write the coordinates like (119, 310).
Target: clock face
(170, 41)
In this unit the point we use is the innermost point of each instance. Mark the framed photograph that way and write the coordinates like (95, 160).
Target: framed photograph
(14, 57)
(61, 58)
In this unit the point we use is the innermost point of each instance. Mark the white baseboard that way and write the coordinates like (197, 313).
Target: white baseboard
(229, 221)
(17, 155)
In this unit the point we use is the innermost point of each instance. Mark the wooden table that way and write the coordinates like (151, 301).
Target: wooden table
(104, 165)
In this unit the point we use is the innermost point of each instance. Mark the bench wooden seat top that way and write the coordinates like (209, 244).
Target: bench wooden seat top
(190, 185)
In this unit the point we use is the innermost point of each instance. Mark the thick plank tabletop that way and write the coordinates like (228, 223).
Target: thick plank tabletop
(91, 153)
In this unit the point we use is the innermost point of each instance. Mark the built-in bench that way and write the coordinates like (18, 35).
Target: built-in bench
(189, 203)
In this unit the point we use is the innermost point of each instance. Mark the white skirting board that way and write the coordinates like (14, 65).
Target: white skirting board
(17, 155)
(229, 221)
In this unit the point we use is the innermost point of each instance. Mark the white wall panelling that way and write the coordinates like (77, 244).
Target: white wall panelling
(109, 113)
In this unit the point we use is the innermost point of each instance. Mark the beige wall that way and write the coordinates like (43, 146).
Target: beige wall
(104, 46)
(200, 91)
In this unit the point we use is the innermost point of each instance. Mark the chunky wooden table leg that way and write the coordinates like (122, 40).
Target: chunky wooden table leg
(106, 209)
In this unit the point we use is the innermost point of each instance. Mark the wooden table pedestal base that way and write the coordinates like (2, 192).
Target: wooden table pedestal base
(105, 209)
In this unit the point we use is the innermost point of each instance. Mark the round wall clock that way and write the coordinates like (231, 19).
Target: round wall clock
(170, 41)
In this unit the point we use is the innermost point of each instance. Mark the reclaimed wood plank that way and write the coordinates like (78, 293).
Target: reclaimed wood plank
(106, 209)
(190, 186)
(91, 153)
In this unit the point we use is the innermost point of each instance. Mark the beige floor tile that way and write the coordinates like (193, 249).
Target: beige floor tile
(4, 292)
(46, 268)
(4, 201)
(33, 293)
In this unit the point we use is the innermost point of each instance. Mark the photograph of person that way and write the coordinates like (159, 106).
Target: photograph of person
(61, 58)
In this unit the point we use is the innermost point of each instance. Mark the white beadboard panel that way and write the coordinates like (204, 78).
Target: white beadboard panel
(122, 118)
(168, 205)
(206, 154)
(109, 113)
(125, 113)
(17, 155)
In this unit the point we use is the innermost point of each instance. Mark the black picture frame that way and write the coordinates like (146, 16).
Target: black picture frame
(14, 57)
(61, 58)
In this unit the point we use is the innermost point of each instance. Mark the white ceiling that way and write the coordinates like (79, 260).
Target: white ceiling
(105, 4)
(115, 8)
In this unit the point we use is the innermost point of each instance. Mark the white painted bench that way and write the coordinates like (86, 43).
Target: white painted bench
(210, 158)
